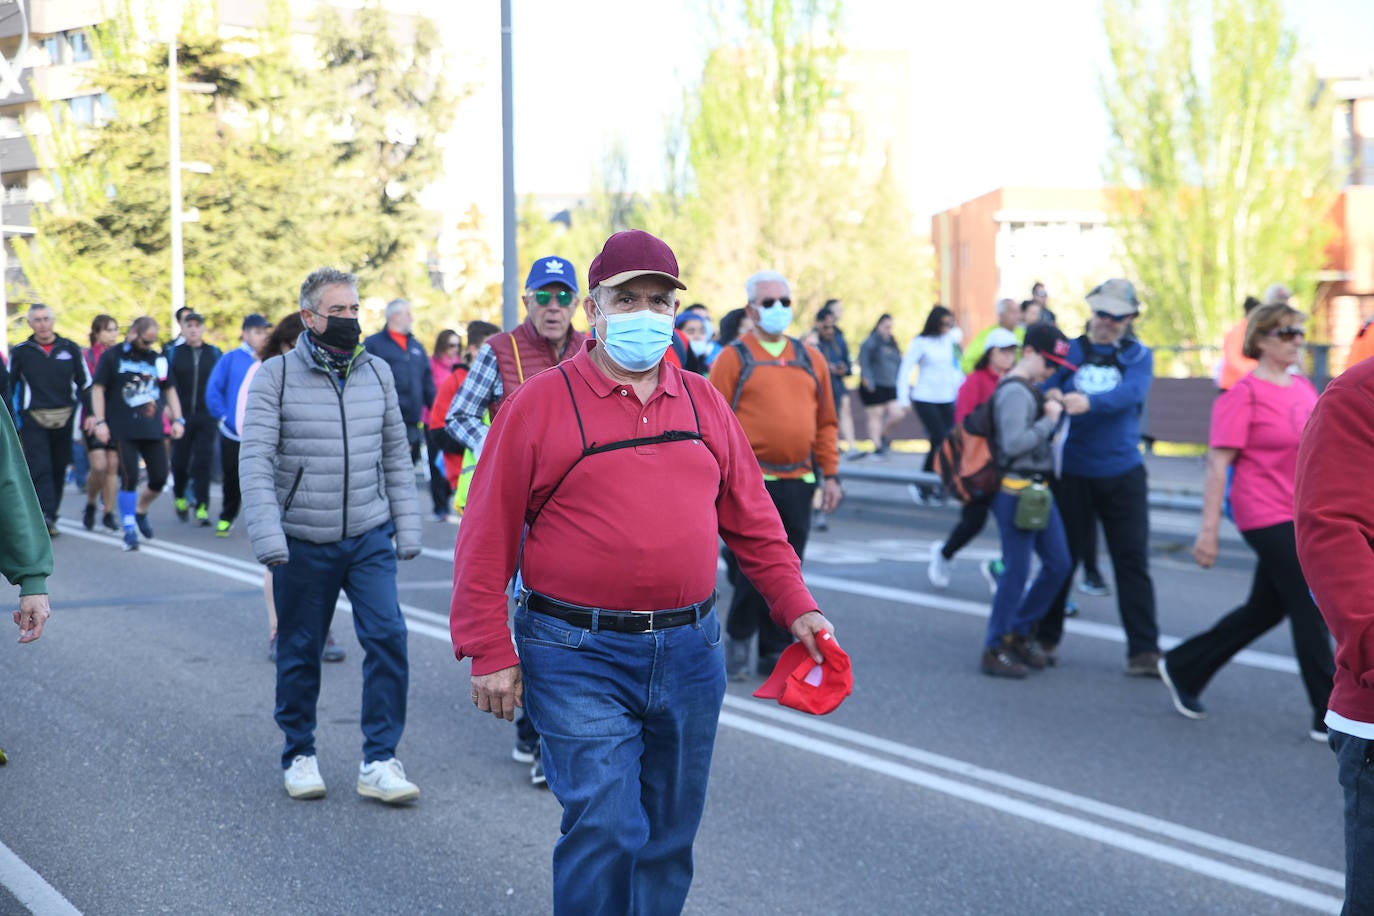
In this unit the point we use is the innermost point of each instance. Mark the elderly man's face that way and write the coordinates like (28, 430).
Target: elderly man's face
(767, 293)
(401, 322)
(637, 295)
(41, 323)
(553, 318)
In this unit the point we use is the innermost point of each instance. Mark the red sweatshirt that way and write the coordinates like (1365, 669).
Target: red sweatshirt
(632, 529)
(1334, 517)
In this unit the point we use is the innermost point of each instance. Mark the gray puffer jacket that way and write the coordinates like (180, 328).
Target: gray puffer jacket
(323, 462)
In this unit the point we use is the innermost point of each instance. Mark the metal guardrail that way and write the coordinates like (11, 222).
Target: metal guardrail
(905, 477)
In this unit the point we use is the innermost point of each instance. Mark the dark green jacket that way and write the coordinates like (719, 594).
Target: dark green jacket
(25, 548)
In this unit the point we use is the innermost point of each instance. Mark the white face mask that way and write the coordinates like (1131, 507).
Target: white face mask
(700, 347)
(956, 334)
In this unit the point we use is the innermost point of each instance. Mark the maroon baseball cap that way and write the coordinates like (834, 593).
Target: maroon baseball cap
(633, 253)
(799, 682)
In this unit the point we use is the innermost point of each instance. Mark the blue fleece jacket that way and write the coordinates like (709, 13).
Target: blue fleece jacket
(1105, 441)
(222, 390)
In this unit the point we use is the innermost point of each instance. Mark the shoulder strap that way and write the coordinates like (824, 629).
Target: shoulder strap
(746, 369)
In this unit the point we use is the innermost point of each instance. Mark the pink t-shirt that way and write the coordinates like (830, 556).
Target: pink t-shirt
(1264, 421)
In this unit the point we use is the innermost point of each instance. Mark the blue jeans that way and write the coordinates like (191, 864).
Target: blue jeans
(1355, 769)
(628, 725)
(1014, 608)
(305, 589)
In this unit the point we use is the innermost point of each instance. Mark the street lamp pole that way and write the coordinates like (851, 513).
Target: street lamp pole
(174, 176)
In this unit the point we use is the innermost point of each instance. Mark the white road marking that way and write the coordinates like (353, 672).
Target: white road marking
(1088, 830)
(744, 715)
(28, 887)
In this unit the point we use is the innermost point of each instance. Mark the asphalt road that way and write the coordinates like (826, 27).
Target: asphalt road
(143, 774)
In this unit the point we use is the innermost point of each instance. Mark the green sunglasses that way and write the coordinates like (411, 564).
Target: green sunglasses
(565, 297)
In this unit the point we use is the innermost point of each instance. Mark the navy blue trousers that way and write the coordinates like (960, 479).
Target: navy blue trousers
(306, 589)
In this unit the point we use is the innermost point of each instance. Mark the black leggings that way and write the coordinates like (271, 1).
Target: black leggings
(972, 517)
(154, 455)
(938, 419)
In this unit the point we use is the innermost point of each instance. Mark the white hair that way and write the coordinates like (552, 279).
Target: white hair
(395, 307)
(751, 286)
(1006, 305)
(1277, 294)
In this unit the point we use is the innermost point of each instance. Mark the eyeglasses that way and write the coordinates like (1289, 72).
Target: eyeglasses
(784, 301)
(543, 297)
(1114, 318)
(1287, 333)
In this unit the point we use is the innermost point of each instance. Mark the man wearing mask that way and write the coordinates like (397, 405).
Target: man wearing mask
(222, 398)
(779, 389)
(505, 361)
(191, 363)
(49, 379)
(327, 484)
(619, 642)
(409, 367)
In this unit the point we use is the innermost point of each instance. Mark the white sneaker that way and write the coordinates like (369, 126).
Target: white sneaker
(303, 778)
(385, 780)
(938, 570)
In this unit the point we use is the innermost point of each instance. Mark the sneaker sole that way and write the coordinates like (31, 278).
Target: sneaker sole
(1163, 672)
(306, 793)
(390, 798)
(520, 756)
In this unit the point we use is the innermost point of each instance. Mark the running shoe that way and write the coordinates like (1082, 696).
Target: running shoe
(223, 527)
(108, 520)
(333, 652)
(385, 780)
(937, 571)
(88, 517)
(183, 509)
(141, 518)
(203, 516)
(130, 539)
(992, 573)
(537, 773)
(1093, 585)
(302, 778)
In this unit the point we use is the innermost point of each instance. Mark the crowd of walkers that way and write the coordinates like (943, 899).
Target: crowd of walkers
(739, 432)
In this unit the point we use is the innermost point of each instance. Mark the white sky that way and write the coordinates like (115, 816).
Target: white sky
(1004, 92)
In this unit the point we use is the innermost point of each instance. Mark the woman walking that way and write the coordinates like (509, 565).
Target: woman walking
(1024, 424)
(102, 479)
(934, 353)
(1256, 427)
(999, 355)
(879, 360)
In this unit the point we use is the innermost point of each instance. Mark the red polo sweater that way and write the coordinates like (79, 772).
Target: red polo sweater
(630, 529)
(1334, 517)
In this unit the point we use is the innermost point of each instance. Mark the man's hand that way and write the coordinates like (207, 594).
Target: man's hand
(1075, 403)
(32, 614)
(807, 627)
(831, 495)
(102, 433)
(499, 692)
(1053, 409)
(178, 430)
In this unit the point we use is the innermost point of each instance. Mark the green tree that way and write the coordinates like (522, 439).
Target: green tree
(770, 177)
(1221, 158)
(311, 162)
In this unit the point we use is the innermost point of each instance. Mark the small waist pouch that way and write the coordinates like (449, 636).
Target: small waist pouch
(1033, 506)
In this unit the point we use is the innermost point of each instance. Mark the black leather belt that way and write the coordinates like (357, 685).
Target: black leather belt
(619, 621)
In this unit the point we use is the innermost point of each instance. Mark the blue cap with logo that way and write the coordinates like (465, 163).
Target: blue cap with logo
(255, 321)
(551, 270)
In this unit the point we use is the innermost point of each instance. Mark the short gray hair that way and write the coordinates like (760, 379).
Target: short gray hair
(751, 286)
(395, 305)
(602, 294)
(36, 307)
(1006, 305)
(318, 280)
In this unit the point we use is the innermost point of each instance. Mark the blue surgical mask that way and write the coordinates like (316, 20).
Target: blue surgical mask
(700, 347)
(636, 341)
(775, 319)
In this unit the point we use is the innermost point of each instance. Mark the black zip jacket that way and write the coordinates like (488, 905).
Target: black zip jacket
(190, 369)
(40, 380)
